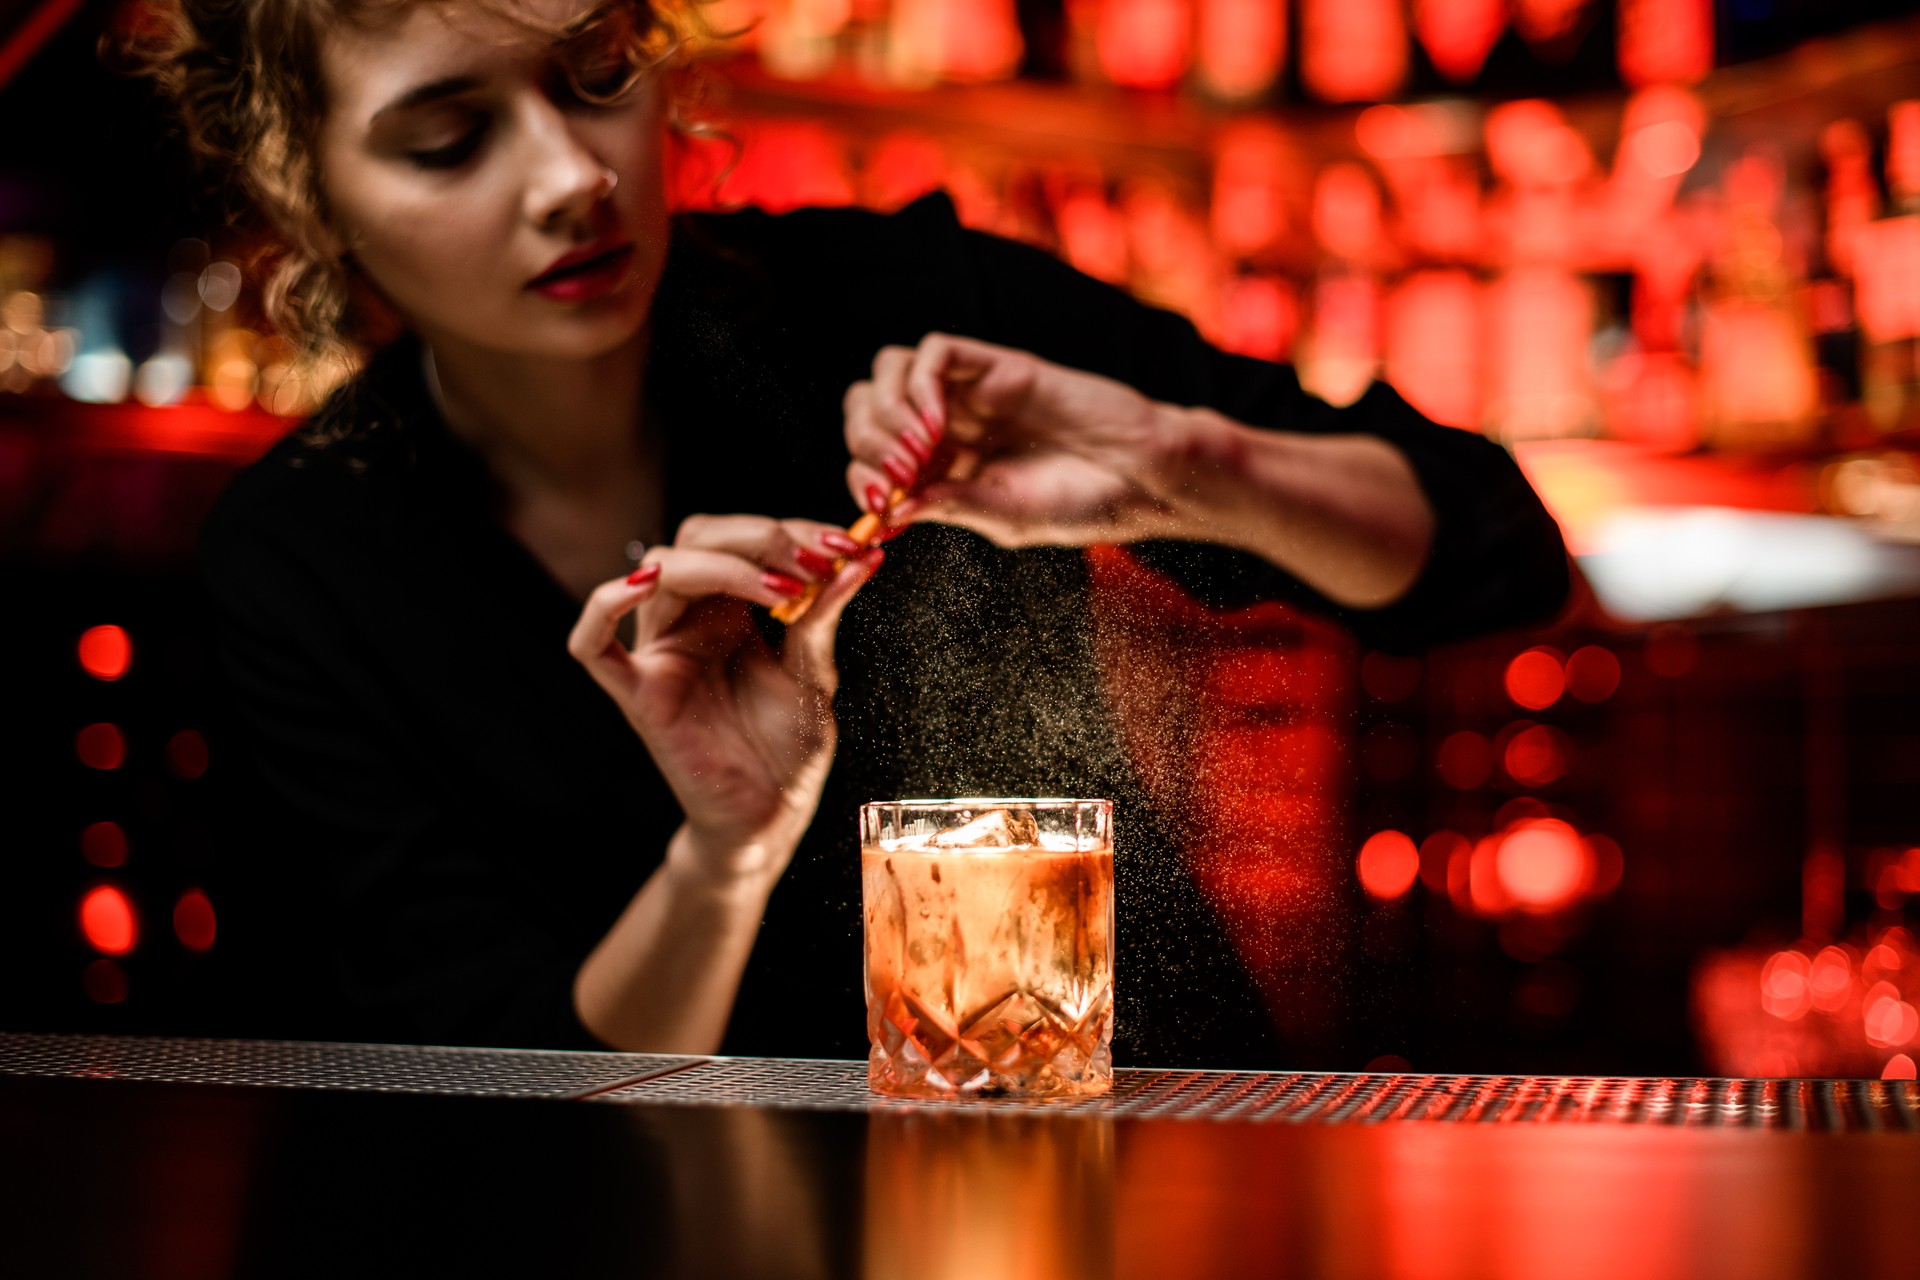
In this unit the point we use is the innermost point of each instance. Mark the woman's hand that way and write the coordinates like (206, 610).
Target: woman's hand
(1025, 452)
(1063, 457)
(743, 734)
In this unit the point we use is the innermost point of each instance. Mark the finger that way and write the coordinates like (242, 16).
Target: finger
(964, 378)
(877, 423)
(594, 641)
(894, 413)
(869, 487)
(808, 650)
(803, 549)
(689, 574)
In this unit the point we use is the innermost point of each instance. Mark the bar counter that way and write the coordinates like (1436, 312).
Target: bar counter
(206, 1158)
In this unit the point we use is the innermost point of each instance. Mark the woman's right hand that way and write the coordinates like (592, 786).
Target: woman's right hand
(743, 734)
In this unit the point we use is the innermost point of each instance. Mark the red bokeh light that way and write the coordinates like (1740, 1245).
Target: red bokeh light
(1664, 41)
(193, 921)
(1437, 853)
(1542, 864)
(187, 754)
(1433, 345)
(1784, 992)
(1536, 756)
(105, 652)
(1241, 45)
(1535, 679)
(108, 921)
(104, 844)
(104, 982)
(1593, 673)
(1388, 864)
(1465, 760)
(101, 746)
(1899, 1067)
(1352, 50)
(1609, 864)
(1890, 1021)
(1830, 979)
(1459, 34)
(1144, 44)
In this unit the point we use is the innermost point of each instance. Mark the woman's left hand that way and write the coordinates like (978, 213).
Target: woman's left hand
(1026, 452)
(1064, 457)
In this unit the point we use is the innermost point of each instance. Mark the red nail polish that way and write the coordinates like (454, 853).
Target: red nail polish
(789, 587)
(911, 443)
(876, 500)
(889, 532)
(840, 544)
(645, 573)
(813, 562)
(931, 421)
(899, 472)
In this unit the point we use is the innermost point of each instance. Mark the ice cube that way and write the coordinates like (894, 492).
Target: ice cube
(994, 829)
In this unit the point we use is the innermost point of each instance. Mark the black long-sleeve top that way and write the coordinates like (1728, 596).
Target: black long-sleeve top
(454, 814)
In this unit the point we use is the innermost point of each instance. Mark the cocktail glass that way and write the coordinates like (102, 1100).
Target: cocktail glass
(989, 927)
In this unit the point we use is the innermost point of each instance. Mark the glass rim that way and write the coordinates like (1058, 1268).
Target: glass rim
(997, 802)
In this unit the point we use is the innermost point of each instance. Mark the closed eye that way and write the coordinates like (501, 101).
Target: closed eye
(453, 154)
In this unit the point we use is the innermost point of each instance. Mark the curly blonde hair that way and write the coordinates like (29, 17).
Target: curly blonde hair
(244, 78)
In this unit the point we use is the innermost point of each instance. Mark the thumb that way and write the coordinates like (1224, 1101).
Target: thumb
(808, 651)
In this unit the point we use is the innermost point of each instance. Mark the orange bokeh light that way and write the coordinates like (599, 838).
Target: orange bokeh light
(1535, 679)
(101, 746)
(108, 921)
(1388, 864)
(1593, 673)
(1542, 864)
(105, 652)
(104, 844)
(193, 921)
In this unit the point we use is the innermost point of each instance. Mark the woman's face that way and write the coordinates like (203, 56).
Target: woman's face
(488, 201)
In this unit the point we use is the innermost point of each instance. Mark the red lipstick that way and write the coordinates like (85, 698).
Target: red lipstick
(586, 273)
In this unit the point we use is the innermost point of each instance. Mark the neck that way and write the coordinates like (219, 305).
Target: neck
(543, 423)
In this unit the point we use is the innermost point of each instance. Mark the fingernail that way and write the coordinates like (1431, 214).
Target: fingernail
(874, 556)
(876, 500)
(911, 443)
(813, 562)
(931, 421)
(840, 544)
(891, 532)
(899, 472)
(644, 574)
(791, 587)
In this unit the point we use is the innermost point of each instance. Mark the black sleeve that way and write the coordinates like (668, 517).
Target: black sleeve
(390, 903)
(1497, 558)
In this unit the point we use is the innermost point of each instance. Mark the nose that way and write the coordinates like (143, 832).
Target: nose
(565, 178)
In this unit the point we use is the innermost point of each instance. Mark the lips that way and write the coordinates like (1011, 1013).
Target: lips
(585, 273)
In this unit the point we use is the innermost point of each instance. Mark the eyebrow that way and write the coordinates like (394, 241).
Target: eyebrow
(432, 91)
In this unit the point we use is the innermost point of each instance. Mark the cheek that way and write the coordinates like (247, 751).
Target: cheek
(423, 249)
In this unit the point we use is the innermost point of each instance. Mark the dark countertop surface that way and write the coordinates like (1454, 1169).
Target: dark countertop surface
(136, 1158)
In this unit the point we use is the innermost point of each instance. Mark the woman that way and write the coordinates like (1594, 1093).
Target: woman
(475, 837)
